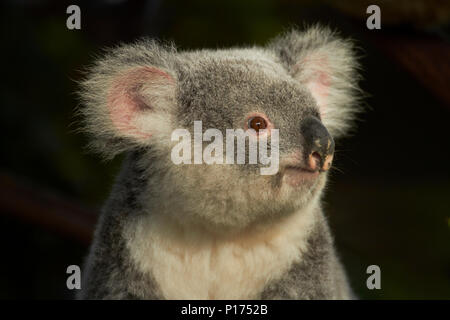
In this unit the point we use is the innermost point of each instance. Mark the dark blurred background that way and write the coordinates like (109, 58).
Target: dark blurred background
(388, 200)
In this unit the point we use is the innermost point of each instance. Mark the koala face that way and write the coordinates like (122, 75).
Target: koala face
(302, 84)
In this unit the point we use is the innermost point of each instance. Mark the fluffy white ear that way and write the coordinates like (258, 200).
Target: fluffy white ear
(128, 99)
(326, 65)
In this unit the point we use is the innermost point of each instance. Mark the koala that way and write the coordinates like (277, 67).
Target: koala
(219, 231)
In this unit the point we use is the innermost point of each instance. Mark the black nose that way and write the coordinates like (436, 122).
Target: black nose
(318, 144)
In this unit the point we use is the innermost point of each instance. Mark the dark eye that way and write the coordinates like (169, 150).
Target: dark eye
(257, 123)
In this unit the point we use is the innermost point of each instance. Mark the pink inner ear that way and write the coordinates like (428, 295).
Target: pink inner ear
(317, 78)
(320, 89)
(125, 102)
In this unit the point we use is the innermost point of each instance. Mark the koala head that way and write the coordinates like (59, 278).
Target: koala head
(304, 84)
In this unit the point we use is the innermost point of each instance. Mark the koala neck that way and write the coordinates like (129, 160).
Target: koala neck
(170, 220)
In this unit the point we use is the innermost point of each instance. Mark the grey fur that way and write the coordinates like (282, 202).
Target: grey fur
(318, 276)
(217, 87)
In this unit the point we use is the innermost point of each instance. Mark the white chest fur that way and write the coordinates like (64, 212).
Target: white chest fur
(193, 264)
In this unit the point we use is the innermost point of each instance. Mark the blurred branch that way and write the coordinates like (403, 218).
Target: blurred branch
(44, 208)
(426, 58)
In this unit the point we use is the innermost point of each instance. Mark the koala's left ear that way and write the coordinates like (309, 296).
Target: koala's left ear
(326, 65)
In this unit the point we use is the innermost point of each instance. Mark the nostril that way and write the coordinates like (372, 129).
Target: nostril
(316, 156)
(315, 160)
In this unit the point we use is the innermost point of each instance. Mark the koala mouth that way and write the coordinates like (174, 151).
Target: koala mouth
(298, 175)
(301, 170)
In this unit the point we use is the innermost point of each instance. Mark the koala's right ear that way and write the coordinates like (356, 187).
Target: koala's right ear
(128, 99)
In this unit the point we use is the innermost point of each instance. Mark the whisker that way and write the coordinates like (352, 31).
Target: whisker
(337, 169)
